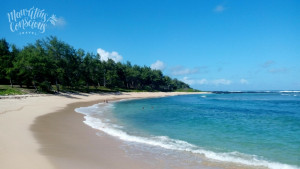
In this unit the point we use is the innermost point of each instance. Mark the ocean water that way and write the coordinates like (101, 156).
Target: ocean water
(255, 129)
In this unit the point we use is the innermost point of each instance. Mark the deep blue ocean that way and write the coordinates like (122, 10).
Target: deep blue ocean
(257, 129)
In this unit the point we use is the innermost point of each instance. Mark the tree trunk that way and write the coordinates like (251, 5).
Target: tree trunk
(57, 86)
(104, 80)
(11, 83)
(34, 86)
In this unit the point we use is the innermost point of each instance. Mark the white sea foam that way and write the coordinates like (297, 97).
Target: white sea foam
(172, 144)
(290, 91)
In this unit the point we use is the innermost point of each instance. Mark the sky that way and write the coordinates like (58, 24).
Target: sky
(209, 44)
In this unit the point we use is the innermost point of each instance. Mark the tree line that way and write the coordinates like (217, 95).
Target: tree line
(51, 62)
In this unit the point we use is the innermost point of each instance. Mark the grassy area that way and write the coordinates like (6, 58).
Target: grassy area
(7, 90)
(92, 89)
(86, 90)
(187, 90)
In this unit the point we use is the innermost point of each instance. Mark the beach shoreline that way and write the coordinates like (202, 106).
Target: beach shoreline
(22, 134)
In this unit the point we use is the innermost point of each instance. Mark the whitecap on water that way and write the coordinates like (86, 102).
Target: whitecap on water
(172, 144)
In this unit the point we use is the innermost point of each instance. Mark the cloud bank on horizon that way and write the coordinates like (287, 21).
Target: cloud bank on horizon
(206, 82)
(180, 70)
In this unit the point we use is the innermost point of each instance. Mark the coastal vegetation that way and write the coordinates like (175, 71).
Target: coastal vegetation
(51, 65)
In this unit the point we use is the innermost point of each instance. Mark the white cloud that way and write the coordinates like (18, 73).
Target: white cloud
(206, 82)
(158, 65)
(180, 70)
(268, 63)
(270, 67)
(244, 81)
(219, 8)
(189, 81)
(104, 55)
(60, 22)
(278, 70)
(221, 82)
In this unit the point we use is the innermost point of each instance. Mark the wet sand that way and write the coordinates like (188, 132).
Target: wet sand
(46, 132)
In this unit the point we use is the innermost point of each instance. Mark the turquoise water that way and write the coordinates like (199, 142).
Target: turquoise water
(260, 129)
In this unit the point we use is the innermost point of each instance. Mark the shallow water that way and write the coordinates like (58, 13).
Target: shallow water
(256, 129)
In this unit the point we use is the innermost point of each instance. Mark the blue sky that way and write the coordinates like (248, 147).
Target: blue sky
(212, 45)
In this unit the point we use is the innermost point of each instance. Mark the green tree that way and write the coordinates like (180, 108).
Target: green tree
(6, 60)
(51, 61)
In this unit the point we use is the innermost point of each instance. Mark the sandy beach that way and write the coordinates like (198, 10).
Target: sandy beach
(45, 132)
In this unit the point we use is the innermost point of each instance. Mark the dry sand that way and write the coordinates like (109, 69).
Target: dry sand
(44, 132)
